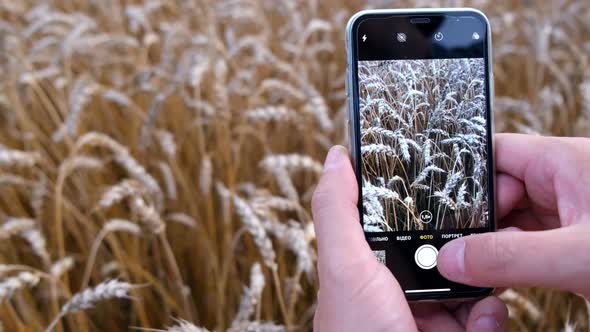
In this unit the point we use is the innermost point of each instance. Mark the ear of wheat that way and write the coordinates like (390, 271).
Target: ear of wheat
(257, 326)
(170, 183)
(18, 158)
(185, 326)
(27, 229)
(119, 192)
(271, 113)
(88, 298)
(118, 118)
(122, 156)
(14, 180)
(291, 162)
(148, 215)
(511, 296)
(14, 226)
(61, 266)
(253, 224)
(293, 236)
(79, 98)
(182, 218)
(11, 285)
(251, 296)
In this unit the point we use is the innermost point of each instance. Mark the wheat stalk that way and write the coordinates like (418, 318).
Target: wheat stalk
(206, 175)
(113, 225)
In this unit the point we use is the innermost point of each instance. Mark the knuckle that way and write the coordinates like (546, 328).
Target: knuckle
(345, 274)
(489, 256)
(332, 272)
(320, 199)
(502, 251)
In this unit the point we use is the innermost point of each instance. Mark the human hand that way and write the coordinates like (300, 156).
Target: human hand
(357, 293)
(543, 192)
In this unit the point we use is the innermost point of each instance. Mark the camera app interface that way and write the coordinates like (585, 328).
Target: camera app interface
(424, 153)
(423, 144)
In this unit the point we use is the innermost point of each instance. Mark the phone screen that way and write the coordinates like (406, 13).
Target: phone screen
(423, 141)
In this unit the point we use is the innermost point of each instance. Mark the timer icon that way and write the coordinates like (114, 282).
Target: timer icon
(438, 36)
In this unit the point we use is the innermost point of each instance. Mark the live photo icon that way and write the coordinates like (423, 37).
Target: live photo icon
(401, 37)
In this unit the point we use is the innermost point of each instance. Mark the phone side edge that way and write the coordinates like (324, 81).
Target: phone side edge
(351, 95)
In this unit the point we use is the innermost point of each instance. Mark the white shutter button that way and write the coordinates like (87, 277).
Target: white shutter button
(426, 256)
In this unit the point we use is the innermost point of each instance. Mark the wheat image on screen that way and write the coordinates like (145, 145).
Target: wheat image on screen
(423, 144)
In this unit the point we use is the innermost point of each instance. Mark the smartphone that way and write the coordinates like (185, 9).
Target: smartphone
(420, 91)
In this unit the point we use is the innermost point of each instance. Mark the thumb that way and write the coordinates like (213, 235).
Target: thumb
(340, 237)
(353, 284)
(553, 259)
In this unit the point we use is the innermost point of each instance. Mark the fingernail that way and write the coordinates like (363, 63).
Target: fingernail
(334, 158)
(453, 257)
(487, 324)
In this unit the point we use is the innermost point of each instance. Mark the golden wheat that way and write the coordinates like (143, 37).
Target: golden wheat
(132, 111)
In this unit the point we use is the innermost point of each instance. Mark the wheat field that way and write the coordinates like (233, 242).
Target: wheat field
(423, 144)
(157, 158)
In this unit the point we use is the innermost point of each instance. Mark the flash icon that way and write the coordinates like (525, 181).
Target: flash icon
(364, 38)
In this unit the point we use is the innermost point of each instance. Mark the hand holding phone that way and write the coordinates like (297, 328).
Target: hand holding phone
(543, 195)
(542, 184)
(357, 293)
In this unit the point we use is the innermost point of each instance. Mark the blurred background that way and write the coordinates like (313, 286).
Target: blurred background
(157, 158)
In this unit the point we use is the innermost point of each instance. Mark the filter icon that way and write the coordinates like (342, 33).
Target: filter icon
(475, 36)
